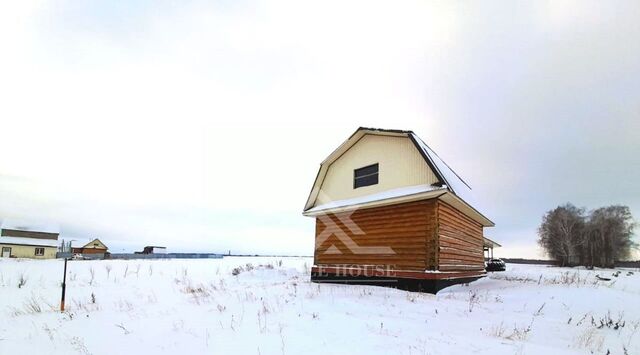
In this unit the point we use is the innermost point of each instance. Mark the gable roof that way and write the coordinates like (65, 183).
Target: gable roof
(88, 244)
(448, 179)
(443, 171)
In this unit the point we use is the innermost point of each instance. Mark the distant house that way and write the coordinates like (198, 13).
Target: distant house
(150, 249)
(93, 247)
(21, 240)
(390, 211)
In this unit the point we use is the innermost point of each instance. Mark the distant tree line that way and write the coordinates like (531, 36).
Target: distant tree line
(572, 236)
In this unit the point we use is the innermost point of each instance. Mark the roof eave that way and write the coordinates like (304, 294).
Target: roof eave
(490, 243)
(377, 203)
(467, 209)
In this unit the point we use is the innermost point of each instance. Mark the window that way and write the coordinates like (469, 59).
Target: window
(365, 176)
(39, 251)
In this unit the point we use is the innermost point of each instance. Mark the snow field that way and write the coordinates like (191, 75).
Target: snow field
(268, 306)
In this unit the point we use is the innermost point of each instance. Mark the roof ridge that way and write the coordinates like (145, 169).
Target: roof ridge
(384, 130)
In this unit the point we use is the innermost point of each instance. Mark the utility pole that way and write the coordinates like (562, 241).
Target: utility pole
(64, 277)
(64, 285)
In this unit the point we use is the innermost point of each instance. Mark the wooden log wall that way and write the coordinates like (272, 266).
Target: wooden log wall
(409, 229)
(460, 240)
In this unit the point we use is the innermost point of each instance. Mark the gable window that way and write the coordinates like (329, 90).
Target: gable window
(365, 176)
(39, 251)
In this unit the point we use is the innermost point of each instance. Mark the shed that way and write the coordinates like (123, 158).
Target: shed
(390, 211)
(153, 249)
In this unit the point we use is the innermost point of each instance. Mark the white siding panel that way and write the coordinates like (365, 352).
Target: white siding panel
(400, 164)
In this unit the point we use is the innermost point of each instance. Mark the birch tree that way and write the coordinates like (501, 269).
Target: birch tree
(608, 236)
(561, 231)
(600, 238)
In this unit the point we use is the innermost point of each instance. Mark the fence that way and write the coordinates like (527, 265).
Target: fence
(65, 255)
(551, 262)
(166, 256)
(128, 256)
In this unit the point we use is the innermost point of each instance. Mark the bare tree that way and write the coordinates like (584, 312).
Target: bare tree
(600, 238)
(608, 236)
(561, 232)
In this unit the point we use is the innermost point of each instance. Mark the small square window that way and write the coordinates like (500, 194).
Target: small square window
(39, 251)
(365, 176)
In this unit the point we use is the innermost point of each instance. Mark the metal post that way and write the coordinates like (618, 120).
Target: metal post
(64, 285)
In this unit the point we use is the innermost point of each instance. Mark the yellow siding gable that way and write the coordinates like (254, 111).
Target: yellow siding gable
(400, 165)
(95, 244)
(29, 251)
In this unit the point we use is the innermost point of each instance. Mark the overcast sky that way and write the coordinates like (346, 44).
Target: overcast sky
(201, 125)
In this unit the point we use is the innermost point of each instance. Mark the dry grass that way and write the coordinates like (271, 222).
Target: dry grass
(518, 333)
(33, 305)
(250, 267)
(22, 280)
(124, 329)
(473, 300)
(590, 339)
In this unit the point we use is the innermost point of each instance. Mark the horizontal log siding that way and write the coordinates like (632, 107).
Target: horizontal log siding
(408, 229)
(460, 241)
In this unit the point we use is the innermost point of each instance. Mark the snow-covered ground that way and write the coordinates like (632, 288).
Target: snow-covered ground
(270, 307)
